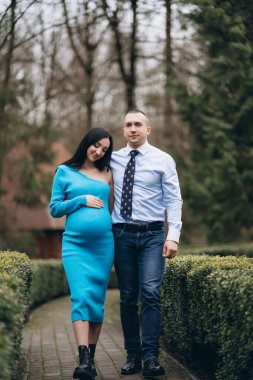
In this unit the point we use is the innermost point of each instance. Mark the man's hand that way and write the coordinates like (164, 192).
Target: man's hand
(170, 249)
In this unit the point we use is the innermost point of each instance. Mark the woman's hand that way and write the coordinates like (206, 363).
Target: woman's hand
(95, 202)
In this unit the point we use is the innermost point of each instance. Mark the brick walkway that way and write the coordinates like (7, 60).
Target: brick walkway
(50, 348)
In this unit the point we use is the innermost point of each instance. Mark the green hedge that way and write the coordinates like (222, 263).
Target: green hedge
(23, 285)
(208, 308)
(10, 326)
(49, 281)
(16, 275)
(220, 250)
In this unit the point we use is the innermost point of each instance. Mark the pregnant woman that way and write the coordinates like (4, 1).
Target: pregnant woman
(82, 190)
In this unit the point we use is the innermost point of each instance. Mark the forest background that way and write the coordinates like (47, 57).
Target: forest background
(67, 66)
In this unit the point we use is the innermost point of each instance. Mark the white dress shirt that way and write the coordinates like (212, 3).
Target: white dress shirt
(155, 188)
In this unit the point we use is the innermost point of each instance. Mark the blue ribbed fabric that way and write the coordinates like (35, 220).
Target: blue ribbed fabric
(87, 244)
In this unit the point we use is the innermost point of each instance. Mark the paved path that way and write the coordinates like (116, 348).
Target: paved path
(50, 348)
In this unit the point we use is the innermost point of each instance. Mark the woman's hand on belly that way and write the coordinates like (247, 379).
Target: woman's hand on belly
(95, 202)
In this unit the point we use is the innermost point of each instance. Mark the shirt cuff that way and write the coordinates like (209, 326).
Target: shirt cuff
(173, 234)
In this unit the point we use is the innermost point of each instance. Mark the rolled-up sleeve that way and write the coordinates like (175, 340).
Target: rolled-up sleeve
(172, 200)
(59, 206)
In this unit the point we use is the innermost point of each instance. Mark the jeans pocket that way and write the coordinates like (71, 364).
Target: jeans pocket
(157, 233)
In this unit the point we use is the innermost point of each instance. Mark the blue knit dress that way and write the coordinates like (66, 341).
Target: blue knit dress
(87, 244)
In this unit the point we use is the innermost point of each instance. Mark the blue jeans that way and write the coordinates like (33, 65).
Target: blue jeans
(139, 265)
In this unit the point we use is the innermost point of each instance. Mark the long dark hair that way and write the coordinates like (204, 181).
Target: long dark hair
(80, 155)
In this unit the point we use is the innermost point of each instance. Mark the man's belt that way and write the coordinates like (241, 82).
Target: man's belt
(139, 227)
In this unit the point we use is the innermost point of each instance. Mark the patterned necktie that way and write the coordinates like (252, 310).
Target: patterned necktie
(127, 189)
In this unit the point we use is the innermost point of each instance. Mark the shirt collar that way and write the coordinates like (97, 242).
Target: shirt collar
(142, 149)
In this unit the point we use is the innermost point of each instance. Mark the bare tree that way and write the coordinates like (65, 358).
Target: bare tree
(6, 52)
(85, 37)
(16, 88)
(12, 6)
(168, 111)
(127, 60)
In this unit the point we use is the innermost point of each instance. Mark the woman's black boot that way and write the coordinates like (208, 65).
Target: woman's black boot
(84, 370)
(92, 349)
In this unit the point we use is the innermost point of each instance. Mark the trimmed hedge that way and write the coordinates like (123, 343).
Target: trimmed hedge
(15, 282)
(49, 281)
(23, 285)
(208, 307)
(220, 250)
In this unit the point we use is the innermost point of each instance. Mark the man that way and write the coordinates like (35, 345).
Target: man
(145, 184)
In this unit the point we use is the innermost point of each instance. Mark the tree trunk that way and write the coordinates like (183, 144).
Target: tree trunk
(11, 45)
(133, 58)
(168, 111)
(5, 89)
(85, 60)
(128, 75)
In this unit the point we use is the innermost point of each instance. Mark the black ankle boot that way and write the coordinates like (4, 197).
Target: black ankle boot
(92, 349)
(84, 370)
(93, 367)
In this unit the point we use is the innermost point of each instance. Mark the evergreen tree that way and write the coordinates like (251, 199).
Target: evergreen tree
(218, 184)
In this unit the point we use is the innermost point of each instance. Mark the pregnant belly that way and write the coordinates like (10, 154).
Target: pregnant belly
(88, 220)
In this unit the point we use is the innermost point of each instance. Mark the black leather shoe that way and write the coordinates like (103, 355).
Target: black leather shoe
(132, 365)
(152, 368)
